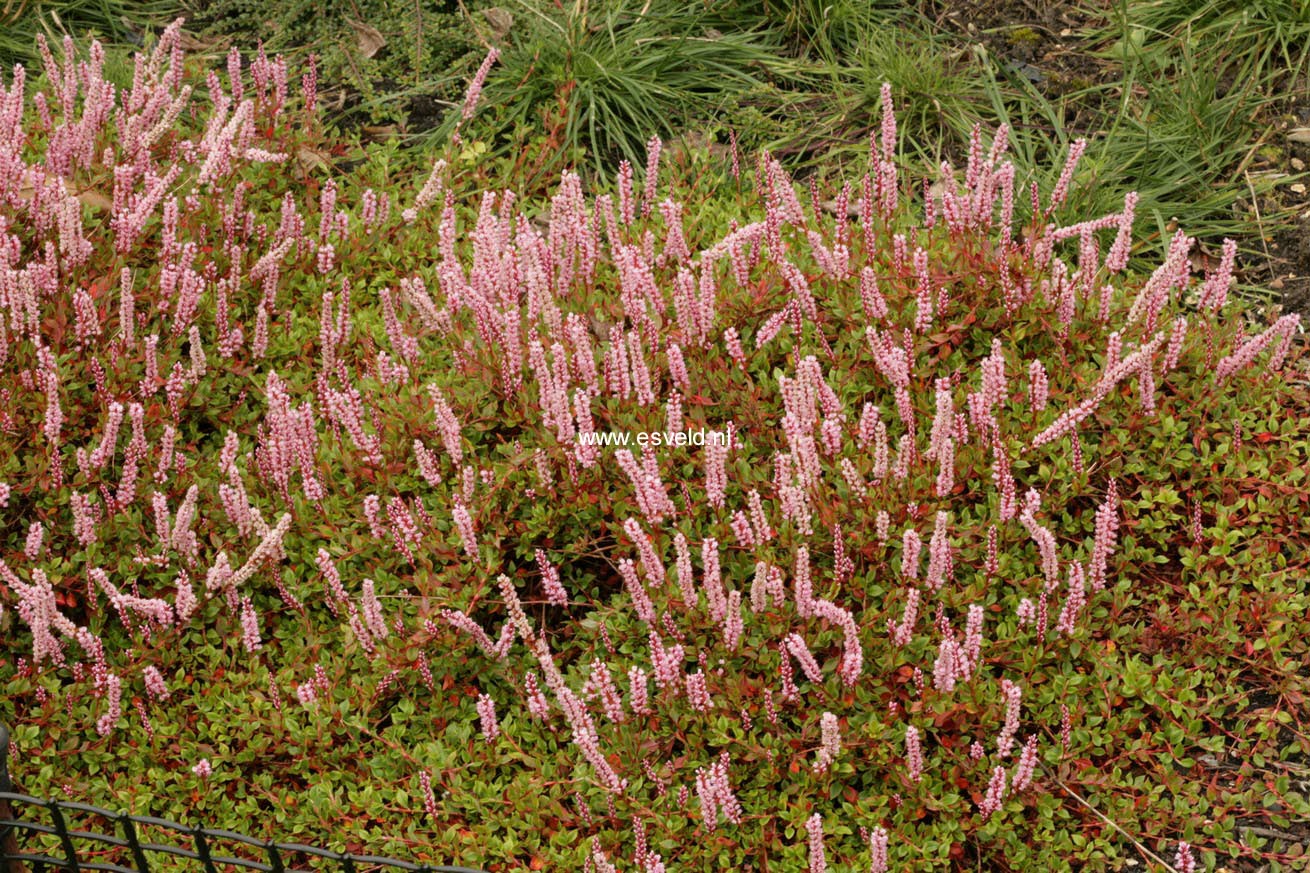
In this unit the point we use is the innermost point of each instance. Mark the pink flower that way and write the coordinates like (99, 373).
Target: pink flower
(678, 367)
(732, 341)
(1045, 541)
(35, 535)
(203, 769)
(667, 663)
(114, 711)
(249, 626)
(1066, 175)
(1183, 859)
(651, 565)
(903, 631)
(1075, 601)
(991, 803)
(913, 753)
(652, 175)
(759, 521)
(371, 608)
(627, 211)
(404, 530)
(716, 480)
(804, 585)
(945, 669)
(602, 684)
(712, 581)
(429, 799)
(741, 529)
(683, 570)
(697, 693)
(475, 87)
(637, 691)
(555, 592)
(1107, 525)
(155, 685)
(871, 299)
(636, 590)
(716, 794)
(1214, 293)
(810, 667)
(940, 563)
(733, 625)
(972, 650)
(466, 624)
(1117, 258)
(888, 122)
(650, 492)
(487, 717)
(1013, 695)
(830, 733)
(464, 526)
(1281, 329)
(184, 604)
(1026, 613)
(910, 550)
(818, 861)
(878, 850)
(538, 706)
(1023, 771)
(1037, 386)
(946, 471)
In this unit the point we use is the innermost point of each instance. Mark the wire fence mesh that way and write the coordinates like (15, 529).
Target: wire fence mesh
(59, 835)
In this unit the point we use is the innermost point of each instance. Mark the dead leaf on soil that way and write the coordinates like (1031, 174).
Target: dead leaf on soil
(96, 200)
(500, 21)
(192, 44)
(1202, 261)
(1299, 134)
(90, 197)
(367, 38)
(830, 206)
(381, 133)
(311, 159)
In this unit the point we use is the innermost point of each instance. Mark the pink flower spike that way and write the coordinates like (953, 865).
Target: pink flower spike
(991, 803)
(830, 733)
(555, 592)
(1023, 771)
(475, 87)
(913, 753)
(487, 717)
(1183, 859)
(818, 861)
(249, 626)
(878, 850)
(429, 799)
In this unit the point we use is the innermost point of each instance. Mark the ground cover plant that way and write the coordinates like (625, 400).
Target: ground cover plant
(308, 527)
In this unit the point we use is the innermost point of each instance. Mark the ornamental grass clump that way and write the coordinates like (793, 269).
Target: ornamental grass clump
(444, 452)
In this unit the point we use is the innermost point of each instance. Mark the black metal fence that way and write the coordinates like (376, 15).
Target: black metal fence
(26, 846)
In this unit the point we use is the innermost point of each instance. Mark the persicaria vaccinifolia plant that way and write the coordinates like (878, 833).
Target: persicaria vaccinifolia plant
(254, 421)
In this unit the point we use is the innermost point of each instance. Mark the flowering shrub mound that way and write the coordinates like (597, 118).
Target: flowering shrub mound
(645, 533)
